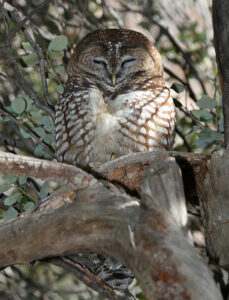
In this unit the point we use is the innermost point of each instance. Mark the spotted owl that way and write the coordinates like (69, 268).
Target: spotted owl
(115, 100)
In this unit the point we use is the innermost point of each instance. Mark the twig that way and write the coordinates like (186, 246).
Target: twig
(113, 13)
(172, 74)
(40, 55)
(27, 130)
(184, 139)
(27, 18)
(6, 76)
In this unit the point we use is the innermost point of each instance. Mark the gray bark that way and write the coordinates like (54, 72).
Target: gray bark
(213, 189)
(149, 237)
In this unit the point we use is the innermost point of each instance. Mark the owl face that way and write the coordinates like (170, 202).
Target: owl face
(116, 57)
(114, 69)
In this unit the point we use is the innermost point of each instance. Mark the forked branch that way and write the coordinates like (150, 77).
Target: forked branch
(149, 236)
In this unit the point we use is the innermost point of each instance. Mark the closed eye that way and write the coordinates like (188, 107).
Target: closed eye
(127, 61)
(100, 62)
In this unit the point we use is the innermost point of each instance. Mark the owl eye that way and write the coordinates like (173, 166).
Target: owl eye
(126, 62)
(100, 62)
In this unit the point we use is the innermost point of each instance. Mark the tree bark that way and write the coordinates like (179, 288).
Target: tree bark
(220, 10)
(213, 192)
(148, 236)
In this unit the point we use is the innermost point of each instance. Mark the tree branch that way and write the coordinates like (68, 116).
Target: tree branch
(149, 238)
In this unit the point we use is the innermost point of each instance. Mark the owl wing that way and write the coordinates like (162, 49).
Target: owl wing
(74, 130)
(150, 121)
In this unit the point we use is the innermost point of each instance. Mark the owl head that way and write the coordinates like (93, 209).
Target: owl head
(115, 56)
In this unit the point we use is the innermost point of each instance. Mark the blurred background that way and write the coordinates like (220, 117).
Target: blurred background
(182, 32)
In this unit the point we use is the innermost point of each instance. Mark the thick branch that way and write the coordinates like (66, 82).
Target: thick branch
(47, 170)
(129, 169)
(150, 238)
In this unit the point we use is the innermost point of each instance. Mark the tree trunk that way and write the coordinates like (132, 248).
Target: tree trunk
(220, 10)
(213, 190)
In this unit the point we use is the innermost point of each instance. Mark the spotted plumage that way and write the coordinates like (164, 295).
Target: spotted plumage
(115, 100)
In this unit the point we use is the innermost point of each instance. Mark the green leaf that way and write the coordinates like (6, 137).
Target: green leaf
(6, 119)
(24, 134)
(60, 69)
(28, 205)
(51, 75)
(221, 125)
(22, 180)
(58, 43)
(18, 105)
(44, 191)
(202, 115)
(4, 187)
(48, 124)
(49, 138)
(10, 214)
(55, 55)
(39, 152)
(15, 197)
(10, 179)
(206, 102)
(37, 117)
(48, 156)
(177, 88)
(39, 131)
(29, 103)
(59, 88)
(193, 131)
(207, 137)
(27, 46)
(30, 60)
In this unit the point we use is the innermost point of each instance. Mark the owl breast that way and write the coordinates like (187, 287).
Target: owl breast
(131, 122)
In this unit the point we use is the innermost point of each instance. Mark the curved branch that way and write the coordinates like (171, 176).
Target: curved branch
(149, 238)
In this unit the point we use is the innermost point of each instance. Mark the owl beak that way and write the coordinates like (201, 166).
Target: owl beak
(113, 79)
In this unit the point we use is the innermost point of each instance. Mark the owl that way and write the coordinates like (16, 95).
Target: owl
(115, 100)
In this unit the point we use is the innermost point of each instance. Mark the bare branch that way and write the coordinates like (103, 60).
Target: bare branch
(46, 170)
(149, 238)
(184, 139)
(186, 84)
